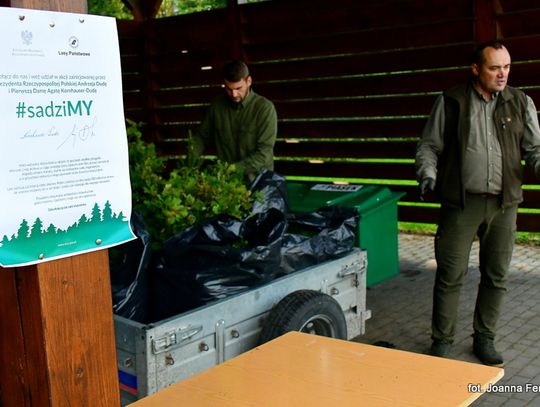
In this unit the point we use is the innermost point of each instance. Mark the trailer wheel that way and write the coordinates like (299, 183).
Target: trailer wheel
(306, 311)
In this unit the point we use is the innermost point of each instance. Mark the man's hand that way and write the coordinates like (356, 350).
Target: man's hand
(427, 187)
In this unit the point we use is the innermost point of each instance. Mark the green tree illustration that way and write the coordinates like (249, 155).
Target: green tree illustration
(51, 229)
(37, 228)
(107, 212)
(96, 214)
(23, 229)
(103, 224)
(83, 219)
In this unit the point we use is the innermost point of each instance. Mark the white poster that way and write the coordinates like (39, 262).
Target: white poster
(64, 174)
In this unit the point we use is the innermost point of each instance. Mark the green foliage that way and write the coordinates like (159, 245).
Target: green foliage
(112, 8)
(116, 8)
(145, 166)
(187, 195)
(191, 195)
(176, 7)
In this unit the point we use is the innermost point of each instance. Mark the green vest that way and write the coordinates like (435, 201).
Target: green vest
(509, 119)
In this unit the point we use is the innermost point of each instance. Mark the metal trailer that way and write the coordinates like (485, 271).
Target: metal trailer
(327, 299)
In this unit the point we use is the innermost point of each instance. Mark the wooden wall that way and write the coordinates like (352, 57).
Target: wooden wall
(353, 81)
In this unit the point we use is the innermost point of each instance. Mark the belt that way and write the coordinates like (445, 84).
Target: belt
(486, 195)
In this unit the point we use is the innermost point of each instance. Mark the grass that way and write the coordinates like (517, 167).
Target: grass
(417, 228)
(523, 238)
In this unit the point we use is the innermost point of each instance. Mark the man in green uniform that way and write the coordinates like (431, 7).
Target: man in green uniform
(470, 156)
(241, 124)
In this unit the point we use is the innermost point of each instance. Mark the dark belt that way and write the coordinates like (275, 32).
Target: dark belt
(486, 195)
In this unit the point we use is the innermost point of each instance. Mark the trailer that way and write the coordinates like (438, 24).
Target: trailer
(327, 299)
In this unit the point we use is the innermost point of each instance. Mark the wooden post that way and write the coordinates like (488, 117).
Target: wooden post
(486, 27)
(57, 344)
(234, 21)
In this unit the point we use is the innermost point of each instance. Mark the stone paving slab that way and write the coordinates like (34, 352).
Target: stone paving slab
(401, 316)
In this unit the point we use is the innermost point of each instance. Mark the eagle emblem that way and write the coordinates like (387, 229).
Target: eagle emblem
(26, 37)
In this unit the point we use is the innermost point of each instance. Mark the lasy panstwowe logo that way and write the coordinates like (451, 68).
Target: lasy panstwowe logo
(73, 42)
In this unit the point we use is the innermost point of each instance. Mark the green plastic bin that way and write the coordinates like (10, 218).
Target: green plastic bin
(377, 222)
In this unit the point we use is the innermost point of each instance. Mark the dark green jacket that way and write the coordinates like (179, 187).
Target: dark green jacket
(242, 133)
(509, 124)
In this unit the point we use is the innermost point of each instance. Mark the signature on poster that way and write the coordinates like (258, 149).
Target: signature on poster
(34, 133)
(80, 133)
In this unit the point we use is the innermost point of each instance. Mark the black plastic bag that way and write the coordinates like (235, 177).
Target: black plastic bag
(129, 265)
(312, 238)
(223, 256)
(190, 276)
(274, 188)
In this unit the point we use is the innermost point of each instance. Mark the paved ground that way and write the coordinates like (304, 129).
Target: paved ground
(401, 313)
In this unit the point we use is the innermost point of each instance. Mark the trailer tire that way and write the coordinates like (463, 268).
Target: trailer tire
(306, 311)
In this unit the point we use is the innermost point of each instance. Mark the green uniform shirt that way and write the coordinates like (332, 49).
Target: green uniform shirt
(242, 133)
(447, 138)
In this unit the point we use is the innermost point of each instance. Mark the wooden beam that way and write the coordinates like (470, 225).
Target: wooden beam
(235, 48)
(57, 343)
(75, 6)
(486, 27)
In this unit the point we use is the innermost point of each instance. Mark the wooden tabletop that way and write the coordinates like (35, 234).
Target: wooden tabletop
(300, 370)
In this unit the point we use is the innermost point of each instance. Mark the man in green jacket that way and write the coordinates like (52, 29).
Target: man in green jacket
(240, 124)
(469, 157)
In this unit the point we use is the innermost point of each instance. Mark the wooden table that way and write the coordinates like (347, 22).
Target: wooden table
(302, 370)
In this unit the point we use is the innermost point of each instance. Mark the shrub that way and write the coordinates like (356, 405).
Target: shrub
(187, 195)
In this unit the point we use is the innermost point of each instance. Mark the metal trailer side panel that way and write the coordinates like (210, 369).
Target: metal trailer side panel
(168, 351)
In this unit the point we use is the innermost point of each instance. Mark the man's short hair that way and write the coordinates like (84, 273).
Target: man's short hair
(478, 55)
(235, 71)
